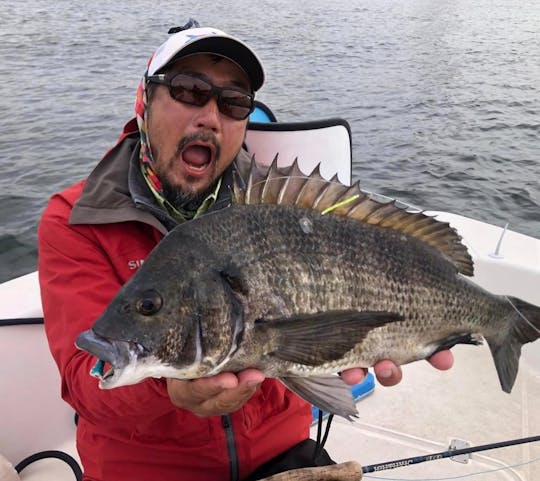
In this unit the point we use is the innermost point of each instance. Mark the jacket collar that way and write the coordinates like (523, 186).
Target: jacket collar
(116, 191)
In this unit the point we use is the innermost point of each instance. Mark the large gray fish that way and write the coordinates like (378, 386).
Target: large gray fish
(302, 278)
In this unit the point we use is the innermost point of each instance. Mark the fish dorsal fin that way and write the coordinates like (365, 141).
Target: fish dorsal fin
(272, 185)
(290, 186)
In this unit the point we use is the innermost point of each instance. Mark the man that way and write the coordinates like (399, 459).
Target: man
(174, 162)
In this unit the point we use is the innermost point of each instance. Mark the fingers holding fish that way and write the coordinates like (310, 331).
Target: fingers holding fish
(353, 376)
(390, 374)
(442, 360)
(387, 373)
(216, 395)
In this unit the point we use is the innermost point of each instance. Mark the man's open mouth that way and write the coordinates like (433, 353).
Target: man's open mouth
(198, 157)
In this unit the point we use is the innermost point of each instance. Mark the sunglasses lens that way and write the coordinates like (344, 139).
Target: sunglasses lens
(235, 104)
(190, 90)
(196, 91)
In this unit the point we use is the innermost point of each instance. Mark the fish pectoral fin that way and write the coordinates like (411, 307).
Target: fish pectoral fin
(328, 393)
(313, 339)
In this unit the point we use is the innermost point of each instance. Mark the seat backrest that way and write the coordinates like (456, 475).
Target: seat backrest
(326, 142)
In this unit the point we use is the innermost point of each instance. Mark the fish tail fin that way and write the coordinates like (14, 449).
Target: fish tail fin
(524, 328)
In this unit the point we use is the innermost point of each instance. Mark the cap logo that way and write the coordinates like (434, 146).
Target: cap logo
(193, 37)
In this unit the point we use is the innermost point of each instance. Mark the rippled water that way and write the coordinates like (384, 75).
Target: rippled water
(442, 96)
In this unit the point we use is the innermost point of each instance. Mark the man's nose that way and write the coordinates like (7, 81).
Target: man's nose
(208, 116)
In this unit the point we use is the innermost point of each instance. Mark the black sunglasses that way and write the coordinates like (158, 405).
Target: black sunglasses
(192, 90)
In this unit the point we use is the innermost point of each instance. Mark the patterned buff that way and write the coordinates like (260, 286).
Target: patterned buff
(147, 162)
(146, 153)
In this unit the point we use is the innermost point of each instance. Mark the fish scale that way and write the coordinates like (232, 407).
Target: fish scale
(370, 287)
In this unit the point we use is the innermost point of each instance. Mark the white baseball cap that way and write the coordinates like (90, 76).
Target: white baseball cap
(213, 41)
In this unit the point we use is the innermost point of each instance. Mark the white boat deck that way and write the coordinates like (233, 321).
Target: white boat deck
(430, 408)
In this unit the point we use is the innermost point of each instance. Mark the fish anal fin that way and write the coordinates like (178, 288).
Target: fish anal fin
(451, 341)
(314, 339)
(328, 393)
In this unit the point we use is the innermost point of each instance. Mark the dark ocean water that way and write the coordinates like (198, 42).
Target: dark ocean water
(443, 97)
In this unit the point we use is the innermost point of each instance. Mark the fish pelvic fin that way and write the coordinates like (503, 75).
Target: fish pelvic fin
(524, 328)
(315, 339)
(290, 186)
(328, 393)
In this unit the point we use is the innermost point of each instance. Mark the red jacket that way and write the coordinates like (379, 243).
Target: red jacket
(92, 239)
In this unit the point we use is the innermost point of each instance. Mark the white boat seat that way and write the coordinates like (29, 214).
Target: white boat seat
(326, 142)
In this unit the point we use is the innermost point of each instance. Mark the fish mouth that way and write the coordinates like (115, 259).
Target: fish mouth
(116, 353)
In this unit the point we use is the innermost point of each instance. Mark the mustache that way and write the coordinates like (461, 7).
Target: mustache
(199, 137)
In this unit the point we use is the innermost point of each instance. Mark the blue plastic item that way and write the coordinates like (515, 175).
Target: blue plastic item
(262, 113)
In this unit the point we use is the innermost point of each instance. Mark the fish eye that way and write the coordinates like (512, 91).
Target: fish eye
(149, 303)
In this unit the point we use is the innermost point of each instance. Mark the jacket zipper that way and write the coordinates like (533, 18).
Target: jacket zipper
(226, 421)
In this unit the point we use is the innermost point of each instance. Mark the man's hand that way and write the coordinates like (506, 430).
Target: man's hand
(390, 374)
(226, 392)
(215, 395)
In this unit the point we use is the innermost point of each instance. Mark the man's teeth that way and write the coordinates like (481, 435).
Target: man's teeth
(198, 168)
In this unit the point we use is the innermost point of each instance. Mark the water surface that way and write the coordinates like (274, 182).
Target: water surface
(442, 96)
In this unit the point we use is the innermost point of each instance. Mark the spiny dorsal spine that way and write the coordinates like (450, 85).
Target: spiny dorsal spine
(290, 186)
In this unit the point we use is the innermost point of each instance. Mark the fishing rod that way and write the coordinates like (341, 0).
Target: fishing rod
(18, 321)
(398, 463)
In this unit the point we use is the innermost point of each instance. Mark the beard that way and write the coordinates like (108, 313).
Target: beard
(187, 198)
